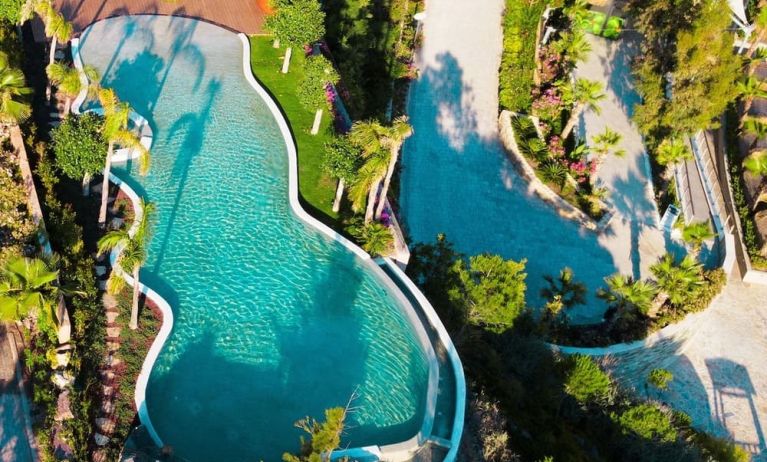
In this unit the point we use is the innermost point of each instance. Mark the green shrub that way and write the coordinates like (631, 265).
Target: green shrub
(585, 381)
(78, 146)
(520, 26)
(10, 10)
(720, 449)
(647, 421)
(660, 378)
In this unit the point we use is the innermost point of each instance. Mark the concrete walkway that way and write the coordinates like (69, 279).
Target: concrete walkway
(720, 378)
(15, 432)
(457, 178)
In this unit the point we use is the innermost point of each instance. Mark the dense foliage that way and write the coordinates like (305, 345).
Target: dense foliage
(520, 28)
(324, 437)
(16, 227)
(296, 22)
(78, 146)
(10, 10)
(572, 411)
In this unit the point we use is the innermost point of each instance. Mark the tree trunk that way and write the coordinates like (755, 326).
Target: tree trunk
(657, 304)
(755, 44)
(317, 120)
(286, 60)
(339, 195)
(51, 58)
(105, 186)
(134, 306)
(571, 122)
(371, 201)
(67, 106)
(387, 181)
(87, 184)
(276, 43)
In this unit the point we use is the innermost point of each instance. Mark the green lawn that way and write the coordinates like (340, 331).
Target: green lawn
(316, 189)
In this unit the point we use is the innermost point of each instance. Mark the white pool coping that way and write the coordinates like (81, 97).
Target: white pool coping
(393, 452)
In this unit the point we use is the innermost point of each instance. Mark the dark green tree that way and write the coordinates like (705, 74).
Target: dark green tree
(318, 75)
(296, 23)
(342, 160)
(647, 421)
(585, 381)
(491, 291)
(79, 148)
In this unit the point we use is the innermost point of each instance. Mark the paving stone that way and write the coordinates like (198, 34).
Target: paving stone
(109, 301)
(112, 316)
(100, 270)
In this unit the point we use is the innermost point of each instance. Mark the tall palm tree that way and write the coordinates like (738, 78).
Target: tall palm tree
(624, 293)
(13, 108)
(677, 281)
(27, 285)
(367, 181)
(564, 289)
(372, 136)
(748, 89)
(755, 126)
(756, 164)
(585, 94)
(67, 80)
(57, 28)
(115, 131)
(131, 244)
(695, 234)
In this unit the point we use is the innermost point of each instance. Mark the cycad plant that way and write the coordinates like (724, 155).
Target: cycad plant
(372, 136)
(605, 142)
(131, 244)
(67, 80)
(28, 286)
(757, 127)
(750, 88)
(695, 234)
(676, 282)
(115, 131)
(625, 294)
(13, 90)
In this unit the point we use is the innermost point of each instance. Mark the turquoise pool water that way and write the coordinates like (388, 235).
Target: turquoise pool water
(273, 321)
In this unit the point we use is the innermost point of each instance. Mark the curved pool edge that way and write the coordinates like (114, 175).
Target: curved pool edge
(409, 446)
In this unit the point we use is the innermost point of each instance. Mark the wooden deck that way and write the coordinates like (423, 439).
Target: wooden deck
(238, 15)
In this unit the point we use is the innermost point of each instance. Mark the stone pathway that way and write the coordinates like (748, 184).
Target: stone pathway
(720, 378)
(458, 180)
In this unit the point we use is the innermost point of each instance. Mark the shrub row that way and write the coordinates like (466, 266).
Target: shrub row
(520, 25)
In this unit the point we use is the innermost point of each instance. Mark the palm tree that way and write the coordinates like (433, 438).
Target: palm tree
(554, 172)
(115, 130)
(375, 238)
(67, 80)
(57, 28)
(755, 126)
(367, 181)
(372, 136)
(671, 152)
(564, 289)
(131, 245)
(760, 23)
(750, 88)
(624, 293)
(12, 90)
(756, 164)
(27, 285)
(585, 94)
(695, 234)
(574, 46)
(676, 281)
(604, 142)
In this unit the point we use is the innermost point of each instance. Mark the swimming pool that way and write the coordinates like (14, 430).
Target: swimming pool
(272, 320)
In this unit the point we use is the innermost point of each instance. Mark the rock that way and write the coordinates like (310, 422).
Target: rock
(109, 301)
(107, 407)
(107, 390)
(108, 375)
(62, 379)
(100, 270)
(100, 439)
(113, 346)
(105, 425)
(62, 359)
(63, 411)
(113, 332)
(113, 361)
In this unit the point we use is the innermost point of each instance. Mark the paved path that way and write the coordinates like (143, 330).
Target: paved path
(720, 378)
(457, 178)
(14, 411)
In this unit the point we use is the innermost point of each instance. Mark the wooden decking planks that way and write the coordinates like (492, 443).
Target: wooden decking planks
(238, 15)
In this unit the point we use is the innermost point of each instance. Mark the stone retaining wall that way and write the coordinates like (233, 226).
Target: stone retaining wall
(535, 185)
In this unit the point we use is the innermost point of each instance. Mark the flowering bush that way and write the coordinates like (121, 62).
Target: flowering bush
(551, 64)
(548, 104)
(556, 148)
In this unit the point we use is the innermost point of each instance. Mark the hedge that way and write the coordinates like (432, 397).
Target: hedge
(520, 24)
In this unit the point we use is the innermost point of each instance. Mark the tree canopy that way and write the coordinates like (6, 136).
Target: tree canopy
(297, 22)
(78, 145)
(585, 381)
(324, 437)
(318, 73)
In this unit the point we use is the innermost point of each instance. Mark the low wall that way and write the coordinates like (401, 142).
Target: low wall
(64, 331)
(535, 185)
(640, 357)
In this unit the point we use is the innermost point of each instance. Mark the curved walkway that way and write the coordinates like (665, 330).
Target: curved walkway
(457, 179)
(720, 378)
